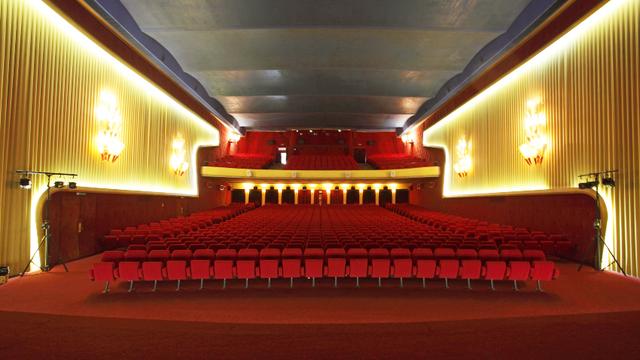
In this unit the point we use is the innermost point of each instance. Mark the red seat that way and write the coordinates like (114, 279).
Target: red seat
(425, 264)
(106, 269)
(380, 264)
(358, 264)
(402, 264)
(471, 266)
(177, 266)
(223, 265)
(544, 271)
(291, 264)
(153, 268)
(534, 255)
(313, 263)
(201, 265)
(448, 269)
(494, 270)
(269, 264)
(336, 264)
(518, 271)
(246, 265)
(130, 268)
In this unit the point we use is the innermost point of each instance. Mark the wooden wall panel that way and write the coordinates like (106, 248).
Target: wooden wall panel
(51, 75)
(588, 83)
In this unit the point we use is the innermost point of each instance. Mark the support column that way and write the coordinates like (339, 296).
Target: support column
(328, 197)
(393, 196)
(344, 197)
(377, 197)
(295, 197)
(279, 196)
(360, 195)
(312, 196)
(264, 196)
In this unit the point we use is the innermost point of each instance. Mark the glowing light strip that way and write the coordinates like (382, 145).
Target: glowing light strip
(144, 86)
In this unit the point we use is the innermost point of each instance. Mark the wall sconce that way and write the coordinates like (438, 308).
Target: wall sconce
(407, 139)
(108, 141)
(534, 123)
(462, 166)
(234, 137)
(178, 162)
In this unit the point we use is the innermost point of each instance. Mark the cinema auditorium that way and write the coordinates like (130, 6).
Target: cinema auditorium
(275, 179)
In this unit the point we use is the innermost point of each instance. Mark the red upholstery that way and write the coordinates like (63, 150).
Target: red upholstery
(223, 265)
(402, 263)
(177, 268)
(358, 262)
(246, 264)
(544, 270)
(292, 263)
(201, 264)
(153, 268)
(336, 263)
(269, 263)
(425, 263)
(380, 263)
(313, 263)
(130, 268)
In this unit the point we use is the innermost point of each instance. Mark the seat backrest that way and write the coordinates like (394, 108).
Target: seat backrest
(357, 253)
(532, 255)
(335, 252)
(291, 253)
(378, 253)
(158, 255)
(181, 254)
(112, 256)
(444, 253)
(226, 254)
(400, 253)
(248, 254)
(204, 254)
(422, 253)
(135, 255)
(313, 253)
(511, 254)
(466, 253)
(270, 253)
(488, 254)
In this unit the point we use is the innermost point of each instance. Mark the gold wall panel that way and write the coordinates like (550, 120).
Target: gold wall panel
(588, 82)
(51, 75)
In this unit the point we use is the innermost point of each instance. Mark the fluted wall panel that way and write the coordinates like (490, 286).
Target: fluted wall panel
(589, 87)
(51, 78)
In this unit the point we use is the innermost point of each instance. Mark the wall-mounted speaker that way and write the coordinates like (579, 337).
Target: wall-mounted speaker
(370, 142)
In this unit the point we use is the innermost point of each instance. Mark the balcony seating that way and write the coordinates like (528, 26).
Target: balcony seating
(396, 161)
(244, 161)
(321, 162)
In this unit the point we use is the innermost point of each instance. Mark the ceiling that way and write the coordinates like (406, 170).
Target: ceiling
(362, 64)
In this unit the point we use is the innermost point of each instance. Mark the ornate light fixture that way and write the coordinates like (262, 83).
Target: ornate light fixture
(534, 124)
(108, 141)
(462, 166)
(178, 161)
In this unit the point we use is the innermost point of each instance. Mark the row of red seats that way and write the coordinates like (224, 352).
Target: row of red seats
(555, 244)
(244, 161)
(396, 161)
(293, 263)
(172, 228)
(321, 162)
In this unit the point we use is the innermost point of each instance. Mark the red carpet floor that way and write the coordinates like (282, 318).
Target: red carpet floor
(585, 314)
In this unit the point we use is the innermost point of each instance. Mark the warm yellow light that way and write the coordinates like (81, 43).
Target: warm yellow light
(264, 186)
(109, 120)
(177, 160)
(280, 187)
(361, 187)
(535, 122)
(462, 166)
(296, 187)
(327, 187)
(393, 186)
(234, 137)
(345, 187)
(377, 187)
(248, 186)
(312, 186)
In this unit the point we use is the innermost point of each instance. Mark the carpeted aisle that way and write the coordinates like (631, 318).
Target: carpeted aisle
(58, 315)
(588, 336)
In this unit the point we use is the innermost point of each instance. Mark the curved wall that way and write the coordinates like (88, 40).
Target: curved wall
(587, 83)
(52, 77)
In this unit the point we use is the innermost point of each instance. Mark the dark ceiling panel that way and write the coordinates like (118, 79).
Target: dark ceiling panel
(322, 63)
